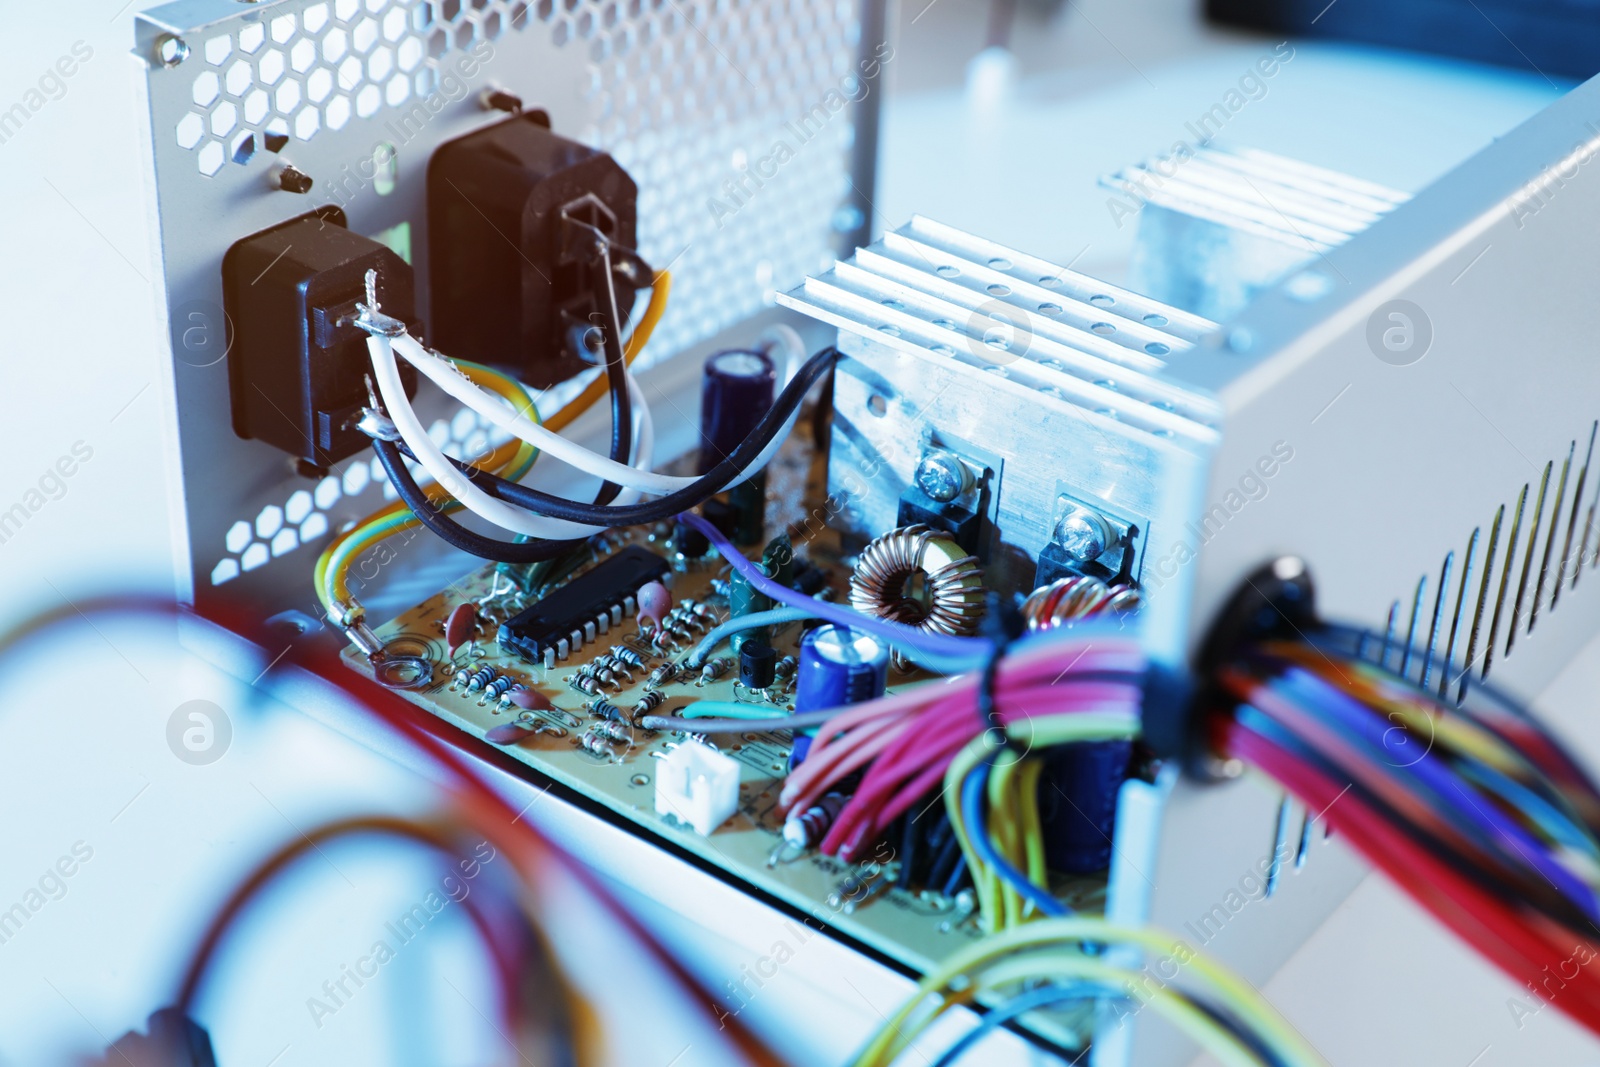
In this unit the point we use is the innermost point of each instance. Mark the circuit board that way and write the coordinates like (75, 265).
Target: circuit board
(917, 928)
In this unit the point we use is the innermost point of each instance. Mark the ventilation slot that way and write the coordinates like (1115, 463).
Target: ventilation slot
(1414, 655)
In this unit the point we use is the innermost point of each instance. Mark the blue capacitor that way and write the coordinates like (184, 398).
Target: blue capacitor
(839, 666)
(735, 394)
(1078, 803)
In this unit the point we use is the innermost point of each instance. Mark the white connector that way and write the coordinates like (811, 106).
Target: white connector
(697, 785)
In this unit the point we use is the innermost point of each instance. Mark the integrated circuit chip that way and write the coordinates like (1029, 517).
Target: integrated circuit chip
(588, 605)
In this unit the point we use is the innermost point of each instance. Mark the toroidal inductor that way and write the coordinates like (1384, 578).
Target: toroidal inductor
(951, 600)
(1078, 596)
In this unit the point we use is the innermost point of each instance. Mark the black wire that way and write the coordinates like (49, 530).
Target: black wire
(453, 533)
(522, 550)
(703, 488)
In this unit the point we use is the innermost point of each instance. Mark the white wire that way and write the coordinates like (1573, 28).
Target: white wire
(779, 336)
(496, 410)
(475, 500)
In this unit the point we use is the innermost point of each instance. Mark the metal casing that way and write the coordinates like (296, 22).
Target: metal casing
(1435, 380)
(357, 94)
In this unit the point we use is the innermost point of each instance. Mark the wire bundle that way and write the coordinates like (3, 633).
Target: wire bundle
(1475, 810)
(474, 803)
(535, 1022)
(1204, 999)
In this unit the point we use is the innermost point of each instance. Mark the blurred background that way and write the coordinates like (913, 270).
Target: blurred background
(998, 119)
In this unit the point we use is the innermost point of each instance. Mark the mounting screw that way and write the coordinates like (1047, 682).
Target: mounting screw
(942, 476)
(1083, 533)
(292, 179)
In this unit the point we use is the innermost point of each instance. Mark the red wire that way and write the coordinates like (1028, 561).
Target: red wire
(1523, 945)
(493, 817)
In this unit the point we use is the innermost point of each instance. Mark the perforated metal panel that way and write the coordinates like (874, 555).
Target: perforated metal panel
(747, 124)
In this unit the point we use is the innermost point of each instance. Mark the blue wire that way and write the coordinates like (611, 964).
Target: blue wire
(1054, 995)
(972, 792)
(1043, 997)
(943, 649)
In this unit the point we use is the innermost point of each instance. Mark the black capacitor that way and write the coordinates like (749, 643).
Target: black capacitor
(690, 541)
(758, 663)
(735, 394)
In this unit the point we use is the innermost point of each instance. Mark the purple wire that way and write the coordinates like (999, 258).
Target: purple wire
(972, 649)
(1445, 784)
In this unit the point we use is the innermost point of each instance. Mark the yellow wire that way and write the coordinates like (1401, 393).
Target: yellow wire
(333, 589)
(1044, 731)
(1031, 830)
(1057, 941)
(1002, 831)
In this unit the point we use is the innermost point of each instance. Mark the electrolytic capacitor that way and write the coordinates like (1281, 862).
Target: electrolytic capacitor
(757, 665)
(839, 666)
(735, 394)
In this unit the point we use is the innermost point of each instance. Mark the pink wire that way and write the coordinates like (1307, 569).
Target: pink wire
(841, 760)
(843, 728)
(939, 733)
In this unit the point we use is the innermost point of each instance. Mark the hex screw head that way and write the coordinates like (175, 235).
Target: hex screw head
(1084, 534)
(942, 476)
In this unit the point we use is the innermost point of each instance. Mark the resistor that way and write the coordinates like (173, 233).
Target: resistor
(625, 655)
(615, 731)
(786, 667)
(462, 677)
(586, 683)
(608, 668)
(806, 829)
(506, 699)
(604, 708)
(721, 586)
(714, 669)
(596, 745)
(685, 620)
(483, 677)
(664, 640)
(652, 699)
(497, 688)
(663, 674)
(708, 614)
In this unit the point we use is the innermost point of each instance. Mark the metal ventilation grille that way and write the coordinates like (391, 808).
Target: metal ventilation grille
(308, 515)
(1532, 554)
(1260, 193)
(941, 293)
(285, 78)
(736, 118)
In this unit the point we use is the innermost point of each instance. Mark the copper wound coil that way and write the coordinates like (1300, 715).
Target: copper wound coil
(1078, 597)
(952, 583)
